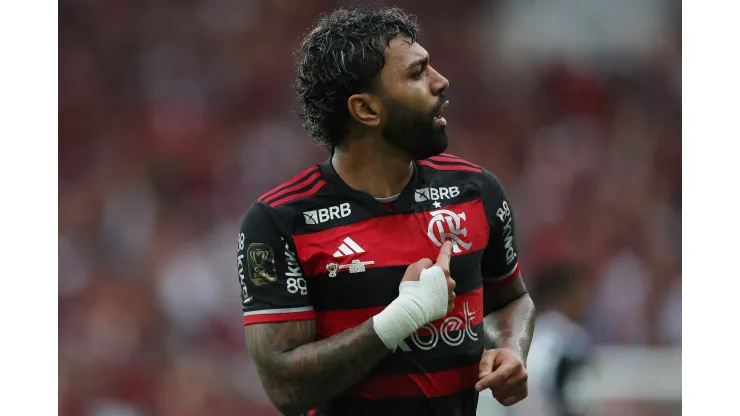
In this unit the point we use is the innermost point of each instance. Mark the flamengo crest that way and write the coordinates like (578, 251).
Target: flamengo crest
(445, 225)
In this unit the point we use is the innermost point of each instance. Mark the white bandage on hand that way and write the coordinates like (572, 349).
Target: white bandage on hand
(418, 303)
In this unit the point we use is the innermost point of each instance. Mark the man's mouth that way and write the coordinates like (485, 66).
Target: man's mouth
(441, 109)
(438, 119)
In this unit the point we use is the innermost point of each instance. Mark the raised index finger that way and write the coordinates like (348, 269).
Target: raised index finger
(443, 259)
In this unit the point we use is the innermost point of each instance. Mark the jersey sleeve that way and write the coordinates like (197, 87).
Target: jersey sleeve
(500, 263)
(272, 282)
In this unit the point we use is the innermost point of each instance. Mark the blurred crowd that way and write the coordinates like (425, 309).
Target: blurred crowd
(175, 115)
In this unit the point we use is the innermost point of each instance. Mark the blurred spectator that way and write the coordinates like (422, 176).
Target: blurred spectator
(560, 346)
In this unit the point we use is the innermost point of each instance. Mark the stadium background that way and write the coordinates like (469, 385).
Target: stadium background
(175, 115)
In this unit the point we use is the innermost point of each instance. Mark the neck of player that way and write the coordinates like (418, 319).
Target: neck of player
(380, 171)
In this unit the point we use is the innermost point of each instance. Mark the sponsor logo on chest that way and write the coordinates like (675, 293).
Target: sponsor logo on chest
(322, 215)
(434, 194)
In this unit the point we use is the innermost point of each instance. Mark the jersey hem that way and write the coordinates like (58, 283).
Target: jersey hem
(263, 318)
(503, 279)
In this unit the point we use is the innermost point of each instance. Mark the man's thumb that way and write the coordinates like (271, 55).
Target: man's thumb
(486, 364)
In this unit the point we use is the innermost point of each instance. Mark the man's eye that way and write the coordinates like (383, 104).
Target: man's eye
(417, 75)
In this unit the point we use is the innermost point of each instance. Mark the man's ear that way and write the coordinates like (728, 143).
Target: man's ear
(365, 109)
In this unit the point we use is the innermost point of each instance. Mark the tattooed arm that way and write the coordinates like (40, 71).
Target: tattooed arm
(509, 311)
(507, 328)
(510, 317)
(299, 373)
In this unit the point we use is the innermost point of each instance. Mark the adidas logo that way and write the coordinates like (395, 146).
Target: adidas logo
(347, 248)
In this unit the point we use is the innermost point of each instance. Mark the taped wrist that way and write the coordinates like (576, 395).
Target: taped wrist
(418, 303)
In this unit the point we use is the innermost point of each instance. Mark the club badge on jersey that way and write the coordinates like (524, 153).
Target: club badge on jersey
(446, 225)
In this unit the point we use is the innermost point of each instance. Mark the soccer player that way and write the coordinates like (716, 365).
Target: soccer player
(344, 312)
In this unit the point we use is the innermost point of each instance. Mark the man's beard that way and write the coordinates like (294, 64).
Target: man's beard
(415, 132)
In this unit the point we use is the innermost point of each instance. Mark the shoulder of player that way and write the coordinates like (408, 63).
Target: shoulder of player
(283, 203)
(301, 186)
(445, 165)
(446, 162)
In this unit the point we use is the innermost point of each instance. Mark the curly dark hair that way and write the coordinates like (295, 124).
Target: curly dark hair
(342, 56)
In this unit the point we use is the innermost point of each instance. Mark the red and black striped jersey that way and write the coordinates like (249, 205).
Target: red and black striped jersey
(314, 248)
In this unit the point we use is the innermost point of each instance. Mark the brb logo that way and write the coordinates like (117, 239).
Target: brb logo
(452, 331)
(318, 216)
(433, 194)
(445, 225)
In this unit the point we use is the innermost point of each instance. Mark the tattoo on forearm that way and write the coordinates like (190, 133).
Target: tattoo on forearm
(299, 374)
(510, 317)
(511, 326)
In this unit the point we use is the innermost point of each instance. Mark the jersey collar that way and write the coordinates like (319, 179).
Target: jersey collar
(404, 203)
